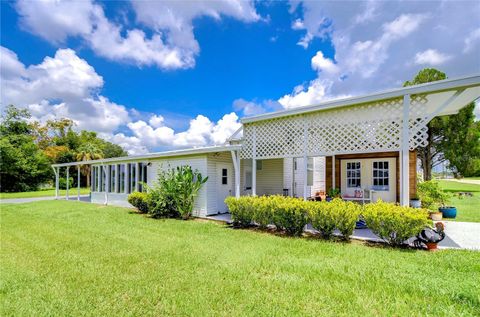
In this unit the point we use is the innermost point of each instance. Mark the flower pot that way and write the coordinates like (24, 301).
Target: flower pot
(431, 246)
(415, 203)
(329, 199)
(436, 216)
(448, 212)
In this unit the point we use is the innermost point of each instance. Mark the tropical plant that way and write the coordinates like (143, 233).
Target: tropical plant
(187, 185)
(333, 192)
(431, 195)
(87, 152)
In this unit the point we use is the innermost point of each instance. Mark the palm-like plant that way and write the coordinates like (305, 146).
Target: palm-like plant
(86, 152)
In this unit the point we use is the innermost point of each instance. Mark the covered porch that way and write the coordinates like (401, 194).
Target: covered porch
(385, 125)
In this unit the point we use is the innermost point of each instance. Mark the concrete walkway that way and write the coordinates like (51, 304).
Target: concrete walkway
(85, 198)
(459, 235)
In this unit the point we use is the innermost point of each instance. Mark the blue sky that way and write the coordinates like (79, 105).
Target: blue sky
(159, 75)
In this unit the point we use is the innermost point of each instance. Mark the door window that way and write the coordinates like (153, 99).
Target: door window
(353, 174)
(224, 176)
(381, 175)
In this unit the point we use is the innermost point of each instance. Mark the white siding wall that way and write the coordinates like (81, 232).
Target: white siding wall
(198, 162)
(269, 178)
(298, 175)
(211, 185)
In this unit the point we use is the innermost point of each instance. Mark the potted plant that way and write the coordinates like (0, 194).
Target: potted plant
(415, 202)
(333, 193)
(432, 197)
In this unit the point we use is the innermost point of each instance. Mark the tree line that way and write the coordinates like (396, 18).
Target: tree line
(28, 148)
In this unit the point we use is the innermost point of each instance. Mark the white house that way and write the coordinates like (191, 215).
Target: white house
(363, 145)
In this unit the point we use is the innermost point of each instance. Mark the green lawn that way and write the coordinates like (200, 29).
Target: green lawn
(44, 193)
(468, 208)
(63, 258)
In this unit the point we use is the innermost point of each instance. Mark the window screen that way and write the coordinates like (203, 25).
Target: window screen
(353, 174)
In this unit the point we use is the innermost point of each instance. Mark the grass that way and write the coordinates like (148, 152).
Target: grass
(44, 193)
(468, 208)
(73, 258)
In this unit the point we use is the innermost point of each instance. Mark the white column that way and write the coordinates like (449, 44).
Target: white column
(333, 172)
(99, 177)
(137, 176)
(236, 167)
(92, 178)
(293, 177)
(254, 164)
(305, 159)
(56, 170)
(78, 182)
(305, 177)
(68, 170)
(107, 182)
(404, 175)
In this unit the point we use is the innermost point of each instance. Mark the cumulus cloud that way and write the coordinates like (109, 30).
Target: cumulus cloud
(431, 57)
(172, 44)
(201, 132)
(61, 86)
(255, 107)
(379, 45)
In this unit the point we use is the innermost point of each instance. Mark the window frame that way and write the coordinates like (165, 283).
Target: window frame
(353, 172)
(381, 175)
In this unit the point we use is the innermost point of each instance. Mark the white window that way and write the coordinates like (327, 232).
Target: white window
(121, 178)
(380, 175)
(259, 165)
(111, 185)
(353, 174)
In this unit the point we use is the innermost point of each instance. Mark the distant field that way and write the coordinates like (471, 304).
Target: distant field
(44, 193)
(468, 208)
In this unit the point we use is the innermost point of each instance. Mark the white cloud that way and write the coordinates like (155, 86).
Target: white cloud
(201, 132)
(472, 41)
(374, 48)
(321, 63)
(156, 121)
(172, 44)
(60, 86)
(254, 107)
(431, 57)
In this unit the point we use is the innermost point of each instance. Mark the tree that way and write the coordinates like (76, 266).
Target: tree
(87, 152)
(453, 138)
(23, 165)
(430, 155)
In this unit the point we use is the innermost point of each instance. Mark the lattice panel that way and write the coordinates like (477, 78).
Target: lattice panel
(365, 128)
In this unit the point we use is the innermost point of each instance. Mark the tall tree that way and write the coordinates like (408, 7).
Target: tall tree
(86, 152)
(454, 138)
(23, 166)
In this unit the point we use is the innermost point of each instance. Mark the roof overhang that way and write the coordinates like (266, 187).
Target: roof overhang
(156, 155)
(439, 92)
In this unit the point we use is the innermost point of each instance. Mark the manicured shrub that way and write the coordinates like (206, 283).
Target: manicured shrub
(321, 216)
(263, 210)
(241, 210)
(290, 214)
(139, 201)
(346, 214)
(395, 224)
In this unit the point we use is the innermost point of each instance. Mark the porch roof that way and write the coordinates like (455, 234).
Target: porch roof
(149, 156)
(440, 91)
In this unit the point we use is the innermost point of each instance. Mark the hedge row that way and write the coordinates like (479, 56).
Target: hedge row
(391, 222)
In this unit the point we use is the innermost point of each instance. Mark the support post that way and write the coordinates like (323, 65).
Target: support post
(92, 178)
(293, 176)
(254, 164)
(404, 176)
(56, 170)
(107, 182)
(116, 179)
(305, 159)
(99, 177)
(333, 172)
(68, 170)
(78, 182)
(236, 167)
